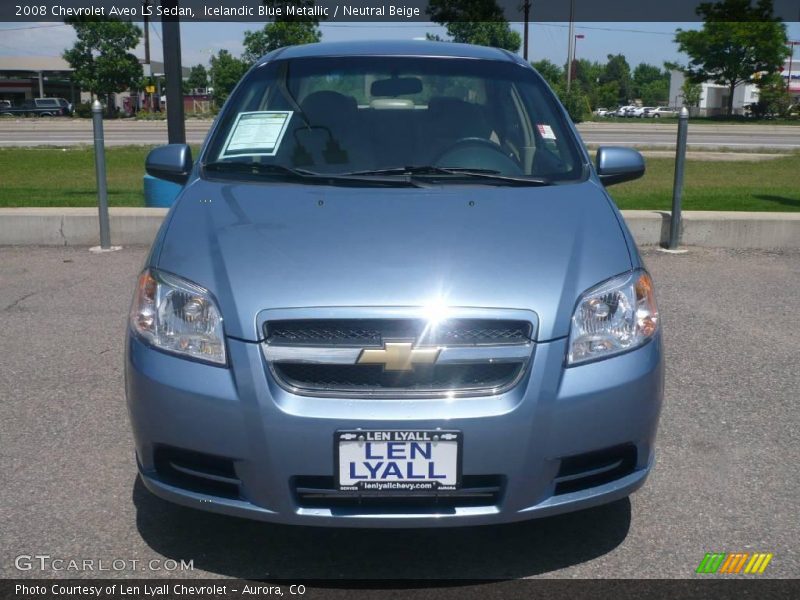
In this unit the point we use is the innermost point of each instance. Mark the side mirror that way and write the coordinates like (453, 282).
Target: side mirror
(172, 162)
(615, 165)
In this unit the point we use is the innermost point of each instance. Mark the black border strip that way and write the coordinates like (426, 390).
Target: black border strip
(406, 11)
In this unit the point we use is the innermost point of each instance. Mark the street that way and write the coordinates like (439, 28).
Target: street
(725, 479)
(64, 132)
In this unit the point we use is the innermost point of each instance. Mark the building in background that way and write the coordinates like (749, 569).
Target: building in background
(791, 75)
(714, 97)
(26, 77)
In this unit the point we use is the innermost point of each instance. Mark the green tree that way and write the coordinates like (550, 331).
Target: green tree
(654, 93)
(618, 73)
(737, 41)
(480, 22)
(284, 31)
(101, 59)
(692, 93)
(226, 71)
(198, 77)
(588, 74)
(607, 95)
(575, 101)
(774, 98)
(551, 72)
(644, 78)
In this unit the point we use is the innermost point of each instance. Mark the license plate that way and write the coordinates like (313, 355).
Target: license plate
(388, 461)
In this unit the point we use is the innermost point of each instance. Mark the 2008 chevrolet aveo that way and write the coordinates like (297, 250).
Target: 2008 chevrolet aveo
(393, 292)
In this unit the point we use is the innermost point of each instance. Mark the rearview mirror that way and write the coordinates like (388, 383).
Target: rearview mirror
(172, 162)
(615, 165)
(396, 86)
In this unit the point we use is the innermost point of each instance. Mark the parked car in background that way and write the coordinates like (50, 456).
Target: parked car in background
(660, 111)
(600, 112)
(53, 107)
(386, 298)
(639, 111)
(622, 111)
(41, 107)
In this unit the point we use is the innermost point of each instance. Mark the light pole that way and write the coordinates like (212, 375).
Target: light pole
(570, 44)
(147, 67)
(573, 64)
(173, 69)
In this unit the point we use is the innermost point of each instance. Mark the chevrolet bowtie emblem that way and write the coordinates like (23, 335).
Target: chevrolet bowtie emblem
(398, 356)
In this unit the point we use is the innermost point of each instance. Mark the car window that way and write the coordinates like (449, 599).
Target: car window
(353, 114)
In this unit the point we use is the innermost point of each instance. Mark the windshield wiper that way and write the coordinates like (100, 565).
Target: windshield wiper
(224, 166)
(255, 168)
(430, 170)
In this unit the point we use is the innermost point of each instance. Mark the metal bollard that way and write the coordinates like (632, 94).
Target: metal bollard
(677, 186)
(100, 170)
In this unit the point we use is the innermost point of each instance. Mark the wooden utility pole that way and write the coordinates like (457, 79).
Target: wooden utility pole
(526, 9)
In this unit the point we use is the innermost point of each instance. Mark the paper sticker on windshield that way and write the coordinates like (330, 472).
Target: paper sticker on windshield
(546, 132)
(257, 133)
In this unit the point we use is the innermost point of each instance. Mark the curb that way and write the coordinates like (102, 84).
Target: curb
(718, 229)
(77, 226)
(138, 226)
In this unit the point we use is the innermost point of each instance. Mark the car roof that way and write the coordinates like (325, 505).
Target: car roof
(392, 48)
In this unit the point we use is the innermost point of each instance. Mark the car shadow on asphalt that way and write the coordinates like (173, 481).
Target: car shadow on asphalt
(253, 550)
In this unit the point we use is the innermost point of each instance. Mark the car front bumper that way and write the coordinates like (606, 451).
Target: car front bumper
(273, 437)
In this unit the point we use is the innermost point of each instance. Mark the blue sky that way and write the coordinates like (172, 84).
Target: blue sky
(639, 42)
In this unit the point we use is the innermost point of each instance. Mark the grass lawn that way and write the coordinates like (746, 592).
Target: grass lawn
(65, 177)
(770, 185)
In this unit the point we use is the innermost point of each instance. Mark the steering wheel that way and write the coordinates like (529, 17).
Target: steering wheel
(471, 153)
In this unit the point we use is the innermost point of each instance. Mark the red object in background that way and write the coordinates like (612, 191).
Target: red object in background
(789, 85)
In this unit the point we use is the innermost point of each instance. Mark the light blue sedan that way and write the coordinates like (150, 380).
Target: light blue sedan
(393, 292)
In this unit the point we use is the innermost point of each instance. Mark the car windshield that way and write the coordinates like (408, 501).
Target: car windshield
(447, 119)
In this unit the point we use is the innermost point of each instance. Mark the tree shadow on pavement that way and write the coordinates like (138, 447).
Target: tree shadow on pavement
(253, 550)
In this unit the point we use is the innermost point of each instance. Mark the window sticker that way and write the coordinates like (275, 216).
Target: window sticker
(257, 133)
(546, 132)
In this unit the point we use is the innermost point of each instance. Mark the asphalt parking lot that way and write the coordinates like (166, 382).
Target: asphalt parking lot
(725, 480)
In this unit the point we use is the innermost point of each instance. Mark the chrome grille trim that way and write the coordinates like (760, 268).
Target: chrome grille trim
(349, 356)
(316, 351)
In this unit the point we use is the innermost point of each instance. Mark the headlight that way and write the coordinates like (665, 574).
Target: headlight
(617, 315)
(177, 316)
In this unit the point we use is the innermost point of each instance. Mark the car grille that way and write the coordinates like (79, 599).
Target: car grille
(425, 378)
(372, 332)
(321, 492)
(320, 357)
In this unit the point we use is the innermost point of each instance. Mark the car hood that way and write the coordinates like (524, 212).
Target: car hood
(284, 245)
